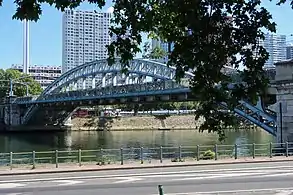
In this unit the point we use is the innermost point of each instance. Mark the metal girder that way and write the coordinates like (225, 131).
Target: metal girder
(257, 116)
(137, 66)
(112, 91)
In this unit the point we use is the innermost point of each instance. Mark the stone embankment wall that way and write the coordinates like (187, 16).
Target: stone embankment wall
(136, 123)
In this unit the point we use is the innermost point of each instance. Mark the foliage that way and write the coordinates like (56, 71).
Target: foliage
(208, 155)
(34, 87)
(206, 35)
(153, 53)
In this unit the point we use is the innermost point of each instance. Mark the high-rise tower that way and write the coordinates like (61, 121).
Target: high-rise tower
(25, 46)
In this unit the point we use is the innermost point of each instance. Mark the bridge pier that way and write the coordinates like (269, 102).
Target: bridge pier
(68, 122)
(284, 104)
(12, 113)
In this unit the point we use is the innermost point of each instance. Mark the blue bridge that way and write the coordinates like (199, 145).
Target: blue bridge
(97, 83)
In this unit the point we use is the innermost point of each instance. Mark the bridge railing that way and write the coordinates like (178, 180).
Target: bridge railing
(154, 155)
(108, 91)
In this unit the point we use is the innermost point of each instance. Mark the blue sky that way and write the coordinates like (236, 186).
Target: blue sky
(46, 34)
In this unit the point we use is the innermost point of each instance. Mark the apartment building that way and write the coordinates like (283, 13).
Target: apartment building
(276, 47)
(44, 75)
(85, 36)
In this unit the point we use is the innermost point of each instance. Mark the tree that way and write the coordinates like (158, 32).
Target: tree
(206, 36)
(19, 89)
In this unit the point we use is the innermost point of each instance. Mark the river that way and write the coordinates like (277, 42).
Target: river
(22, 142)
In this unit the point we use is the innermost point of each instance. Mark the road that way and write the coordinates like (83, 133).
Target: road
(243, 179)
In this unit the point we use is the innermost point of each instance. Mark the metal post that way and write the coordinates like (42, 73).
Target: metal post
(56, 158)
(11, 160)
(161, 192)
(236, 151)
(121, 156)
(34, 159)
(287, 149)
(281, 123)
(197, 152)
(253, 150)
(141, 155)
(271, 149)
(79, 157)
(161, 154)
(180, 153)
(216, 152)
(101, 155)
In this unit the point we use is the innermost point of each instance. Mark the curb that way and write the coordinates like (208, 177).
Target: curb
(142, 167)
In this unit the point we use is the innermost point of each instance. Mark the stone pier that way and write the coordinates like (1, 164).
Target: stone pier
(284, 103)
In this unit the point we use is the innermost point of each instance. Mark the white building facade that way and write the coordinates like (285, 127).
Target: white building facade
(85, 36)
(44, 75)
(276, 47)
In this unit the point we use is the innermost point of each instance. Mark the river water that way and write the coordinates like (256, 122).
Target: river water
(23, 142)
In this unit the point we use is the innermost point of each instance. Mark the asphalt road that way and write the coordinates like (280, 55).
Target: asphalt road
(243, 179)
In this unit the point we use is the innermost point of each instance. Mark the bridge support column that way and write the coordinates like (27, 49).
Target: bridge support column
(75, 86)
(103, 80)
(114, 79)
(83, 83)
(93, 82)
(284, 110)
(67, 88)
(284, 105)
(12, 114)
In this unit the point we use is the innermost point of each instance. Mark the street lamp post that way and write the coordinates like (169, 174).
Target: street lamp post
(11, 81)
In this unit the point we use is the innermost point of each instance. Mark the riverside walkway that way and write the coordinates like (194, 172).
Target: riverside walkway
(137, 158)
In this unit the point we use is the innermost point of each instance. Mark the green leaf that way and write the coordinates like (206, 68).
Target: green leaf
(19, 83)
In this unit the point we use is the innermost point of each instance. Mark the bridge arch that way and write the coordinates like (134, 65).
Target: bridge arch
(137, 67)
(98, 70)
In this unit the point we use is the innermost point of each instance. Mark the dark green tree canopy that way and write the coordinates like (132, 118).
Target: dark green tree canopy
(207, 35)
(19, 87)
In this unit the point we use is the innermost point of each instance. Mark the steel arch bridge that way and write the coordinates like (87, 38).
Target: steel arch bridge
(98, 83)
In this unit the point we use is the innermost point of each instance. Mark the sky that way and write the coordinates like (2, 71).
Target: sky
(46, 34)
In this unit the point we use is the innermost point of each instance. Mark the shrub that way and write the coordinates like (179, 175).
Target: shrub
(208, 155)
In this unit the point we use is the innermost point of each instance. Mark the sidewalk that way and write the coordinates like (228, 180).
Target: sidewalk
(66, 168)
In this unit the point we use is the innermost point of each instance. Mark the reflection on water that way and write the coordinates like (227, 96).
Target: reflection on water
(118, 139)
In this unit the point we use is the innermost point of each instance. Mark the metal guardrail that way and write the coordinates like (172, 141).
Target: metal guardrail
(143, 155)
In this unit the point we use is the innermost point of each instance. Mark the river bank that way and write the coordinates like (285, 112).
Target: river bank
(178, 122)
(135, 123)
